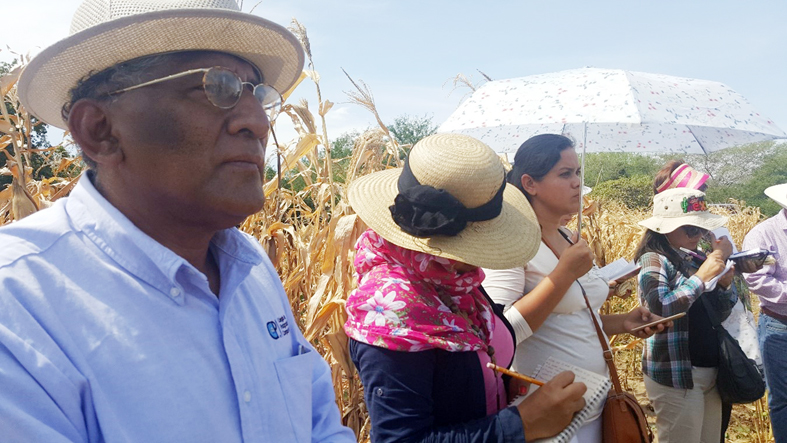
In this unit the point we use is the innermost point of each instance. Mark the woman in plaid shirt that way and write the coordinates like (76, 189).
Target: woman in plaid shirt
(680, 364)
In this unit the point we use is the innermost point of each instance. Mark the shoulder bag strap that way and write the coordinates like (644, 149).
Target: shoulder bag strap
(608, 357)
(710, 311)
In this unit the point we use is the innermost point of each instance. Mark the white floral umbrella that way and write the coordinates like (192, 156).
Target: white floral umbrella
(612, 110)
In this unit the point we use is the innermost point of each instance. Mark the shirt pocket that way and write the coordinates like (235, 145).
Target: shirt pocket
(295, 378)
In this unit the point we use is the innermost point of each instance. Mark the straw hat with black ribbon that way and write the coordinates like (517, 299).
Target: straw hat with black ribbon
(450, 200)
(678, 207)
(107, 32)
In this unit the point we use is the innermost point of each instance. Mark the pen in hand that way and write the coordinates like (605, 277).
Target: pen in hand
(515, 374)
(694, 254)
(568, 239)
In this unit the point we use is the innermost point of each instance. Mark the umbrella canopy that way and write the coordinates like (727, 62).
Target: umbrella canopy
(607, 110)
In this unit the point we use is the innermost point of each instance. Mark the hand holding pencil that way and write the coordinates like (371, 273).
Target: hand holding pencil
(515, 374)
(548, 410)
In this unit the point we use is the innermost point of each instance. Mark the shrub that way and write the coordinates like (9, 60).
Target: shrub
(634, 192)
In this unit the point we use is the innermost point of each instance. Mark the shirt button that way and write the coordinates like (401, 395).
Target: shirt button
(247, 396)
(174, 292)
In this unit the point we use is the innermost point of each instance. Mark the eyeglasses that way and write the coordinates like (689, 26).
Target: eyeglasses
(693, 231)
(223, 88)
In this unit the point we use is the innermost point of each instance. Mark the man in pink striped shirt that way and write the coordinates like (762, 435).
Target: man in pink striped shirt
(770, 284)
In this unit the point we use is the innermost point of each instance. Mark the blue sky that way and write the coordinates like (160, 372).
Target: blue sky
(408, 51)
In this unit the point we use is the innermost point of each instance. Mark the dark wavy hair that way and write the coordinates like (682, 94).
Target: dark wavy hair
(652, 241)
(536, 157)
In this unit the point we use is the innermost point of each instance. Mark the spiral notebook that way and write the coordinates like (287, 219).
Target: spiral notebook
(598, 388)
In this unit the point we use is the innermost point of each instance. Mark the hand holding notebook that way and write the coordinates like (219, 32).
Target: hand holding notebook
(597, 389)
(552, 407)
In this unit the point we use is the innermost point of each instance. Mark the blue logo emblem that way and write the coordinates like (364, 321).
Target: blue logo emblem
(273, 329)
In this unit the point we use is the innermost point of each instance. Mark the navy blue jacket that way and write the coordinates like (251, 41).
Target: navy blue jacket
(430, 396)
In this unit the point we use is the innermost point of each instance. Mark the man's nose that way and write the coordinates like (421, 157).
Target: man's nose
(249, 116)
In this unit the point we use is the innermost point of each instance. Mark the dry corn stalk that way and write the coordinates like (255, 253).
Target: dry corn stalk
(25, 195)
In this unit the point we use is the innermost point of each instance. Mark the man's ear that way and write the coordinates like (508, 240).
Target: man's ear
(91, 126)
(528, 184)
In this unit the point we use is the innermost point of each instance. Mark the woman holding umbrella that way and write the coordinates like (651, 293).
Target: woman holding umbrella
(421, 328)
(545, 299)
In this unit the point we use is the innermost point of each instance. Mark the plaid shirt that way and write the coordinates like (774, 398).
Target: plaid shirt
(665, 291)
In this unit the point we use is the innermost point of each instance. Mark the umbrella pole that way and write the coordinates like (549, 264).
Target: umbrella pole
(582, 179)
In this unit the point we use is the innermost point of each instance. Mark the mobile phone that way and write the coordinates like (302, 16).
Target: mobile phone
(751, 253)
(663, 320)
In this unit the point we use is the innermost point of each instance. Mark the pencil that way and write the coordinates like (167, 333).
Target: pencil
(515, 374)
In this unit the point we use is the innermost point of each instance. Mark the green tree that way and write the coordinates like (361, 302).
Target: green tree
(735, 165)
(605, 166)
(740, 173)
(407, 130)
(342, 151)
(771, 170)
(634, 192)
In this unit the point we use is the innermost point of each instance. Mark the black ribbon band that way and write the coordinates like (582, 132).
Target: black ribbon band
(424, 211)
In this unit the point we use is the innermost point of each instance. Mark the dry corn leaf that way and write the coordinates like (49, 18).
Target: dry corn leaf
(65, 190)
(22, 203)
(312, 74)
(320, 321)
(287, 94)
(9, 80)
(6, 127)
(337, 342)
(325, 107)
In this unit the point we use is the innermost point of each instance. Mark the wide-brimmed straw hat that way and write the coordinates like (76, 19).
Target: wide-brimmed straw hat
(107, 32)
(448, 167)
(678, 207)
(778, 193)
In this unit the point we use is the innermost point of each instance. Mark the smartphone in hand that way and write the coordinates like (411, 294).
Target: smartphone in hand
(657, 322)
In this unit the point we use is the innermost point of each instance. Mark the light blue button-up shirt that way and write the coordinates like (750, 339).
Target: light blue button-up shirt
(106, 335)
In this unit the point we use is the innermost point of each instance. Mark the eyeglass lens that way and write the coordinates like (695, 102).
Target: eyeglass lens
(693, 231)
(224, 88)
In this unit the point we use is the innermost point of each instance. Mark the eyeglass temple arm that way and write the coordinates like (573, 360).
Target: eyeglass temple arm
(163, 79)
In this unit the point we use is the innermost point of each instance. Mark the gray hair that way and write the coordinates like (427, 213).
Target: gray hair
(98, 86)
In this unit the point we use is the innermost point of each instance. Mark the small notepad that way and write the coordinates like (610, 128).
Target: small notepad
(619, 269)
(598, 388)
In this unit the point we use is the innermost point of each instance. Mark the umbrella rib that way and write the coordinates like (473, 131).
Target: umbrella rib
(697, 139)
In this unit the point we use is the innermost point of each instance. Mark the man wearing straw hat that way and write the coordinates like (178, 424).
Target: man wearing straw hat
(133, 310)
(770, 284)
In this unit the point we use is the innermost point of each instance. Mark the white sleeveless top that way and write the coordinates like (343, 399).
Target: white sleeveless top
(568, 333)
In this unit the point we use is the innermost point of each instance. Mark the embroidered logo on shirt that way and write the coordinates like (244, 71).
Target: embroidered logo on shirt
(278, 327)
(273, 329)
(284, 326)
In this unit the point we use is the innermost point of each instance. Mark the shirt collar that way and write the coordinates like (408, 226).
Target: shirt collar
(781, 218)
(137, 252)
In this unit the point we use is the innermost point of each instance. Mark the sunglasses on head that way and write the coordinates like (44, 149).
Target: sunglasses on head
(223, 88)
(694, 231)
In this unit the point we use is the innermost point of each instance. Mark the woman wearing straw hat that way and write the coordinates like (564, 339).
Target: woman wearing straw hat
(421, 328)
(545, 299)
(739, 321)
(680, 365)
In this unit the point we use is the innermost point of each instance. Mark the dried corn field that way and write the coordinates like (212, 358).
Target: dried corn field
(309, 234)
